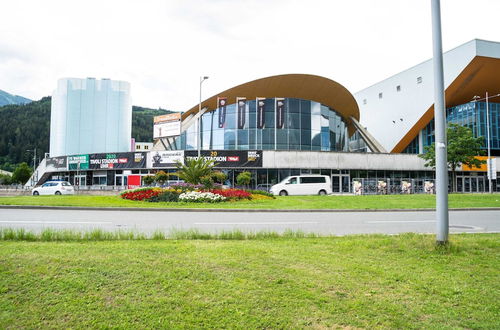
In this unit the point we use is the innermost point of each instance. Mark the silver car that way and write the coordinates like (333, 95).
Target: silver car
(54, 188)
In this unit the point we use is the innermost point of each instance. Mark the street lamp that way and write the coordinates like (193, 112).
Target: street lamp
(488, 162)
(34, 164)
(198, 132)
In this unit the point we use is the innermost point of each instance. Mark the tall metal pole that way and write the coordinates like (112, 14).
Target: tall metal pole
(440, 128)
(198, 130)
(490, 174)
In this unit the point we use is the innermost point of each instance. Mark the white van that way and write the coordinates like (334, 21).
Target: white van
(303, 185)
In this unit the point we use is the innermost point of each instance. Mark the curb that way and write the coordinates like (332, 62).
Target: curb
(80, 208)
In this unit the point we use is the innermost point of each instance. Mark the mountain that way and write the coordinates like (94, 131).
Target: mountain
(6, 98)
(26, 127)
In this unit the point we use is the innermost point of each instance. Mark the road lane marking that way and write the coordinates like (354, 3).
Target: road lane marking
(258, 223)
(401, 221)
(59, 222)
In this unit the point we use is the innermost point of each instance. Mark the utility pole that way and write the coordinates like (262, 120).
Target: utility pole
(440, 128)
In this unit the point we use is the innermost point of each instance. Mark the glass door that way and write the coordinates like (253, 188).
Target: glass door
(346, 183)
(336, 184)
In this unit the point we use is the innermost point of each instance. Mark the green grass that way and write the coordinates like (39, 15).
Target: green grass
(336, 282)
(288, 202)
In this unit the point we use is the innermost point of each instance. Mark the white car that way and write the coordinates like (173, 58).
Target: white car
(54, 188)
(303, 185)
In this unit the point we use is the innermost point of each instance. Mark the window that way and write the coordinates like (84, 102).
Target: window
(146, 147)
(398, 88)
(137, 147)
(380, 95)
(419, 80)
(312, 179)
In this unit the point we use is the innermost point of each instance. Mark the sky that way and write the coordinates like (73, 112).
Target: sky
(163, 47)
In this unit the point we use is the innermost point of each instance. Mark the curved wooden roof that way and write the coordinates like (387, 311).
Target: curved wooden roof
(300, 86)
(479, 76)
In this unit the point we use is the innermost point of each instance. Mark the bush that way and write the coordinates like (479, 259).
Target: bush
(161, 177)
(184, 186)
(244, 178)
(260, 192)
(166, 196)
(148, 180)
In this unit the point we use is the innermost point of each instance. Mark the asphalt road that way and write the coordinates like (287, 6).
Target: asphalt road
(324, 223)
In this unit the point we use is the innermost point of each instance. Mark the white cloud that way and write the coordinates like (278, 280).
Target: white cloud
(163, 47)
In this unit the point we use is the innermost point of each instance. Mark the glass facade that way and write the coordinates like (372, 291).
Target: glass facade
(308, 125)
(472, 115)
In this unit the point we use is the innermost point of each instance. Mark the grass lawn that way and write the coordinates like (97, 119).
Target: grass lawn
(288, 202)
(358, 281)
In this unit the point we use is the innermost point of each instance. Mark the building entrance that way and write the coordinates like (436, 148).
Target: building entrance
(471, 184)
(341, 184)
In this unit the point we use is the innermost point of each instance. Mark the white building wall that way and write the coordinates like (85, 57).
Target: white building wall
(390, 117)
(90, 116)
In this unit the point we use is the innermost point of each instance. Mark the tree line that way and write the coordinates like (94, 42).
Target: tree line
(26, 127)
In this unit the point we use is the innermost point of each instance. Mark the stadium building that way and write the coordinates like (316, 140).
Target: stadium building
(302, 124)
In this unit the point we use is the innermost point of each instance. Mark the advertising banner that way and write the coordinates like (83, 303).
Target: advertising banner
(165, 158)
(242, 107)
(170, 117)
(261, 112)
(118, 160)
(78, 162)
(221, 104)
(280, 112)
(229, 158)
(56, 164)
(166, 129)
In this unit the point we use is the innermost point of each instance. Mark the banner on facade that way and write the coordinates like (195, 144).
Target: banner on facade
(261, 112)
(229, 158)
(221, 104)
(78, 162)
(242, 107)
(158, 159)
(56, 164)
(280, 112)
(167, 125)
(118, 160)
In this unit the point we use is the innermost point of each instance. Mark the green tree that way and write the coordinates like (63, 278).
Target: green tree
(22, 173)
(161, 177)
(244, 178)
(195, 169)
(5, 179)
(148, 179)
(463, 148)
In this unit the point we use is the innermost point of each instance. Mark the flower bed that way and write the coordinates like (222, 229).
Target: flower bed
(189, 193)
(141, 194)
(232, 194)
(200, 197)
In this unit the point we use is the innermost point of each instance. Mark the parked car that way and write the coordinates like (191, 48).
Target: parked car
(303, 185)
(54, 188)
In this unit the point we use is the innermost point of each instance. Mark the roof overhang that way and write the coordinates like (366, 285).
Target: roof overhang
(481, 75)
(300, 86)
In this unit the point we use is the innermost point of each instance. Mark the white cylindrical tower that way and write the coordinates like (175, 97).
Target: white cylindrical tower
(90, 116)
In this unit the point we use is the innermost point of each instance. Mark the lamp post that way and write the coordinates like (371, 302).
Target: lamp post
(440, 129)
(34, 165)
(198, 131)
(488, 162)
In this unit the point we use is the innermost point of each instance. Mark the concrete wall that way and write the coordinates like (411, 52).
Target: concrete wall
(341, 160)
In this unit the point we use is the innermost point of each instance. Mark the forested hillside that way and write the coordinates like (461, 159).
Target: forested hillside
(25, 127)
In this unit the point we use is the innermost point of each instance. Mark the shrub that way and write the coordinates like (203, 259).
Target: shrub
(244, 178)
(166, 196)
(200, 197)
(161, 177)
(232, 194)
(260, 192)
(148, 180)
(184, 186)
(140, 194)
